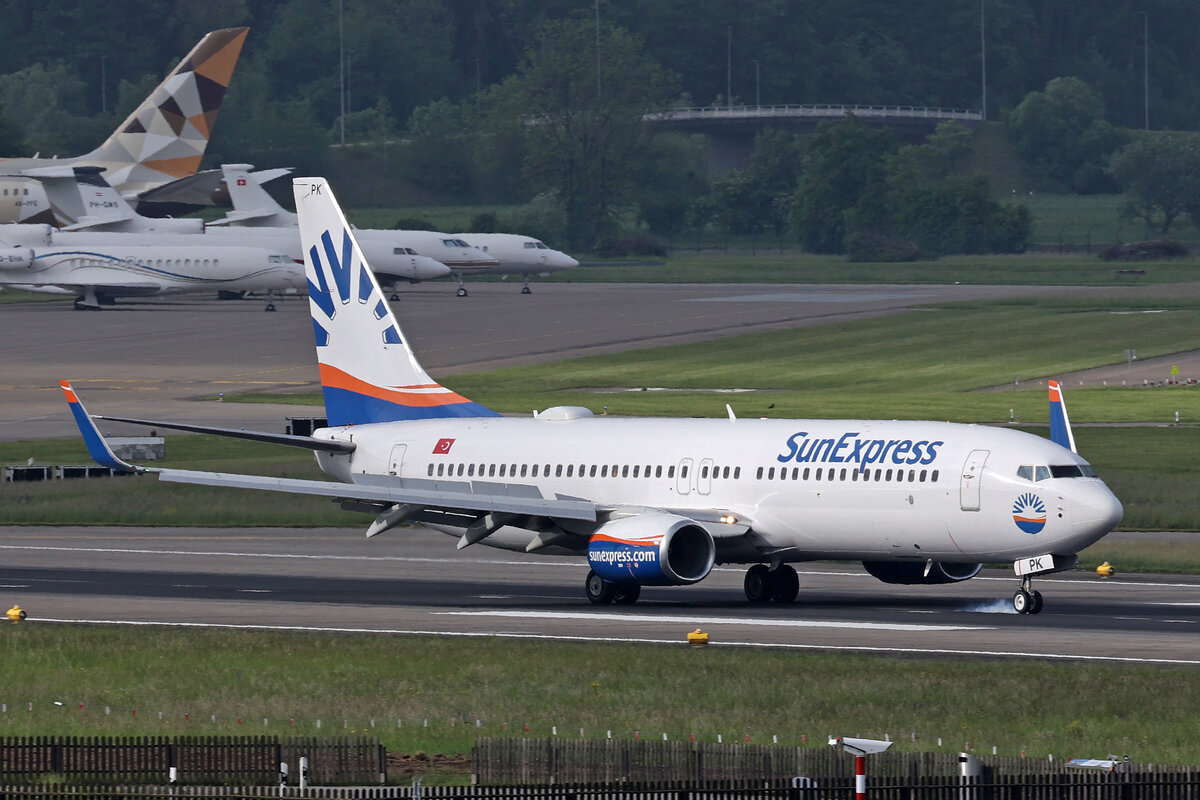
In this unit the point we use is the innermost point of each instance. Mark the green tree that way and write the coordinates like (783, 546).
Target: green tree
(12, 143)
(1160, 176)
(438, 153)
(758, 199)
(842, 184)
(581, 119)
(1062, 131)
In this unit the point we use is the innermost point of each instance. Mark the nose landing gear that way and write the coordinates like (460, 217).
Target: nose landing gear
(1027, 600)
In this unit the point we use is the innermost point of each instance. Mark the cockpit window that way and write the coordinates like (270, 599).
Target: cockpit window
(541, 246)
(1041, 473)
(1025, 471)
(530, 245)
(454, 243)
(1072, 471)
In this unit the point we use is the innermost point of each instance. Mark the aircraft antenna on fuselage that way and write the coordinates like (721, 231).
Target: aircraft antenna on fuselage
(368, 372)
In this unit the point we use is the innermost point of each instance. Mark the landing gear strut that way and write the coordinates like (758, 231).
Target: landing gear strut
(525, 285)
(1027, 600)
(763, 585)
(602, 592)
(270, 301)
(462, 289)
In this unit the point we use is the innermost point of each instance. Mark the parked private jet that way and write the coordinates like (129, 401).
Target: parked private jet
(92, 214)
(98, 275)
(504, 253)
(161, 141)
(658, 501)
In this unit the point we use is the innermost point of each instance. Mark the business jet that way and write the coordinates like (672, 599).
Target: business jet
(518, 255)
(164, 138)
(489, 253)
(97, 276)
(91, 213)
(658, 501)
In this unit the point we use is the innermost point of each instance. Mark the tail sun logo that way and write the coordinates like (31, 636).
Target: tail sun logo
(334, 272)
(1029, 513)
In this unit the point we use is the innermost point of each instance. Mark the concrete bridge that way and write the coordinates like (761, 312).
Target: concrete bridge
(730, 130)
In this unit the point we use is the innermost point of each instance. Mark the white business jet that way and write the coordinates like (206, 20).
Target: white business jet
(254, 208)
(98, 275)
(659, 501)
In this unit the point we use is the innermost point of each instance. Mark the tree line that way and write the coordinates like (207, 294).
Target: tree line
(540, 103)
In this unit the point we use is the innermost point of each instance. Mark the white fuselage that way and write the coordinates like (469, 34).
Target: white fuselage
(124, 271)
(518, 255)
(406, 266)
(847, 489)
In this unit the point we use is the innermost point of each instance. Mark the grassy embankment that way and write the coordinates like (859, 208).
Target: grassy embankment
(347, 681)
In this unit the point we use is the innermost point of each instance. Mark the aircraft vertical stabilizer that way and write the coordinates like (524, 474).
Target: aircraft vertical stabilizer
(368, 372)
(165, 137)
(1060, 423)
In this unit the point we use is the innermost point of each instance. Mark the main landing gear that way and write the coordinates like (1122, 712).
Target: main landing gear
(602, 592)
(763, 584)
(1026, 600)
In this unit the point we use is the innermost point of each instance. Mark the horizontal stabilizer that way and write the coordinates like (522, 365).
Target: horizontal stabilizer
(307, 442)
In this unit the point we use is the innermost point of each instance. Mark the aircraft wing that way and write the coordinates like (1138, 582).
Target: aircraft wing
(441, 498)
(394, 499)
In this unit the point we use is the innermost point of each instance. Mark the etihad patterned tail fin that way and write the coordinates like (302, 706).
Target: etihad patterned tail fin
(368, 372)
(165, 137)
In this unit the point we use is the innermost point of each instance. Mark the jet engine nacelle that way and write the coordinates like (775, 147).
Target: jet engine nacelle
(915, 572)
(25, 234)
(16, 258)
(652, 549)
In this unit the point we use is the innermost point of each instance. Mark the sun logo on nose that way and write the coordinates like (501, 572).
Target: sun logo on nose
(1029, 513)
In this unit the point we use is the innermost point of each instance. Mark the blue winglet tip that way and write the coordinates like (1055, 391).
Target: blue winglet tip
(99, 450)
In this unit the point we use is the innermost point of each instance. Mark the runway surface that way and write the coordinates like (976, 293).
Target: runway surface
(414, 581)
(155, 359)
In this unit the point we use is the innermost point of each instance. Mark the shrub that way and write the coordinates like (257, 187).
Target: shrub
(873, 248)
(1155, 249)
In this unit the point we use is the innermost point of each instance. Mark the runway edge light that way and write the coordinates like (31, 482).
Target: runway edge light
(1106, 570)
(15, 614)
(697, 638)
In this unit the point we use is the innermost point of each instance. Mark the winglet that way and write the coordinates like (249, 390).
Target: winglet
(1060, 423)
(97, 447)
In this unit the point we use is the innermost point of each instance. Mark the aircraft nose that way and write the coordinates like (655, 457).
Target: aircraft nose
(1095, 509)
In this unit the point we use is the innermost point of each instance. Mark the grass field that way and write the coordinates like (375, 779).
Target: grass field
(346, 681)
(913, 366)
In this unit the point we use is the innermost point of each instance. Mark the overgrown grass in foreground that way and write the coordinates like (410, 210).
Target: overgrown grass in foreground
(347, 681)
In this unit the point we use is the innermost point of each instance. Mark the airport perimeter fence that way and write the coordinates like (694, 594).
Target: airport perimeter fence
(226, 760)
(501, 761)
(1069, 786)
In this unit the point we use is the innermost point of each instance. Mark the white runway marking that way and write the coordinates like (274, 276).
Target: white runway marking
(628, 640)
(749, 621)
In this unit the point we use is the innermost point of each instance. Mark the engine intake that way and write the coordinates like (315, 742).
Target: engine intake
(914, 572)
(16, 258)
(653, 550)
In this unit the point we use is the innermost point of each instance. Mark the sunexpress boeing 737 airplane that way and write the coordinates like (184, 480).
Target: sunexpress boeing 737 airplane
(660, 501)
